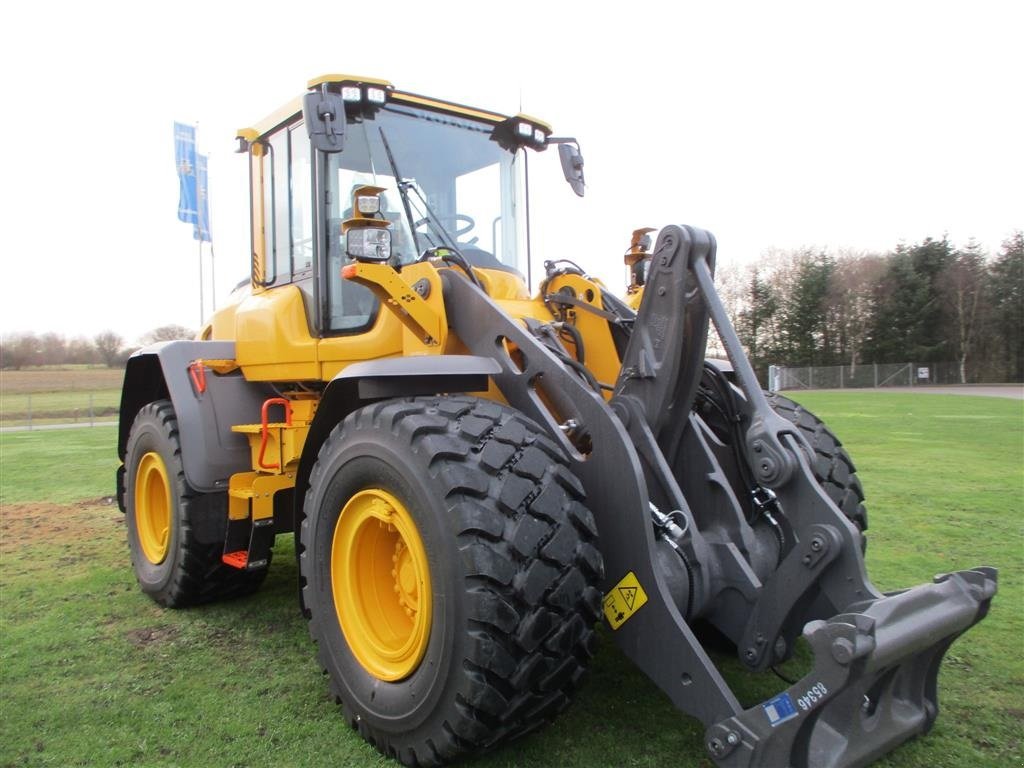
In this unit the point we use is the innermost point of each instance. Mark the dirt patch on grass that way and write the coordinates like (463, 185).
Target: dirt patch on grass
(147, 636)
(33, 523)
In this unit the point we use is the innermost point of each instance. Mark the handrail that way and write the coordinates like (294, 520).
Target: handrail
(264, 427)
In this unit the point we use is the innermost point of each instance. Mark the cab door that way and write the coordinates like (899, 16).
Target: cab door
(276, 327)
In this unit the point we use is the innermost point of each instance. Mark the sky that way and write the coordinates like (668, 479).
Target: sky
(774, 125)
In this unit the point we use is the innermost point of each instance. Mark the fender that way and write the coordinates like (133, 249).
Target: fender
(722, 366)
(210, 451)
(362, 383)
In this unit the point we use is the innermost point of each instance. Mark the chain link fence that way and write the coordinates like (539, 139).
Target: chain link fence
(29, 410)
(864, 376)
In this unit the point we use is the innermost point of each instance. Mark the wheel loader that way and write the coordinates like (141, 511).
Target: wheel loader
(475, 475)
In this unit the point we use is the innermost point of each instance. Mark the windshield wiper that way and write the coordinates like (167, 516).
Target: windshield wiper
(403, 190)
(453, 255)
(431, 219)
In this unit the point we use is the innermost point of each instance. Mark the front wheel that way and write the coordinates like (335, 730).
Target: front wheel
(450, 575)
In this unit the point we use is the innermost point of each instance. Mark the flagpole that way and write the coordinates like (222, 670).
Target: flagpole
(202, 316)
(209, 228)
(202, 320)
(213, 269)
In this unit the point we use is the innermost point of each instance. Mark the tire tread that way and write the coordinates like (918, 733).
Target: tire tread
(530, 560)
(833, 467)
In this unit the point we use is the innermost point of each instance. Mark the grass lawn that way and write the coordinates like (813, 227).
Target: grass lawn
(57, 466)
(93, 673)
(59, 407)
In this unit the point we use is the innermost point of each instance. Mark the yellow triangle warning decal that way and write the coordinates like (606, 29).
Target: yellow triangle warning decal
(629, 595)
(625, 599)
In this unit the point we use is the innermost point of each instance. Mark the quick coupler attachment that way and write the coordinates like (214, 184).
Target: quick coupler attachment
(873, 684)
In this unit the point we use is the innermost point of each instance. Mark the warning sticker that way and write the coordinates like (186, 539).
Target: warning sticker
(624, 600)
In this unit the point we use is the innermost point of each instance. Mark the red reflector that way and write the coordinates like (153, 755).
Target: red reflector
(349, 271)
(198, 375)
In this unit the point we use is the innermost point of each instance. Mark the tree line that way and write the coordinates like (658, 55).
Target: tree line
(22, 350)
(930, 302)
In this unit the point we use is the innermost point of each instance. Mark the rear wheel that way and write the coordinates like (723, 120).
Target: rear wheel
(450, 575)
(833, 467)
(171, 563)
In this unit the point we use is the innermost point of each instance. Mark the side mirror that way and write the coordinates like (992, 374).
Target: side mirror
(323, 113)
(572, 165)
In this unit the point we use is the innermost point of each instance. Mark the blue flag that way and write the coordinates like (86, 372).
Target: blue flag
(193, 184)
(201, 230)
(185, 160)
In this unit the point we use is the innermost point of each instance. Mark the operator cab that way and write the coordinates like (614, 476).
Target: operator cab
(453, 179)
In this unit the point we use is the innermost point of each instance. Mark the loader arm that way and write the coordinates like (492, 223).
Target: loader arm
(873, 684)
(544, 389)
(677, 525)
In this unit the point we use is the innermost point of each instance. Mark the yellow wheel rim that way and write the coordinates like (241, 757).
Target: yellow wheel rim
(381, 584)
(153, 507)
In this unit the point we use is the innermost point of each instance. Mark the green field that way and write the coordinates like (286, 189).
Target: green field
(58, 466)
(59, 395)
(93, 673)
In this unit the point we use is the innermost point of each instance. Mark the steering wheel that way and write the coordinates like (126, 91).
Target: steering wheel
(462, 225)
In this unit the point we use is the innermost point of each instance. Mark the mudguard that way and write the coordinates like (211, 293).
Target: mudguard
(361, 383)
(210, 451)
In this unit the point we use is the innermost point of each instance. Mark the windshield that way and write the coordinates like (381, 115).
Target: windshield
(462, 189)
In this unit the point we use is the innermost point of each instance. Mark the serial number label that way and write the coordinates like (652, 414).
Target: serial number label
(816, 693)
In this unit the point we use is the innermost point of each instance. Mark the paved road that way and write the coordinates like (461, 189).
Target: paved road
(43, 427)
(1012, 391)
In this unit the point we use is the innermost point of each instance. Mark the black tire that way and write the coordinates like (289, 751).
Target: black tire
(191, 571)
(833, 467)
(513, 564)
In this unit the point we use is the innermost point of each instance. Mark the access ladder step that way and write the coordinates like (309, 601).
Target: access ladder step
(248, 543)
(237, 559)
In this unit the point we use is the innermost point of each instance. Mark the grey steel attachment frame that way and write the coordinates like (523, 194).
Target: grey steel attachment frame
(876, 656)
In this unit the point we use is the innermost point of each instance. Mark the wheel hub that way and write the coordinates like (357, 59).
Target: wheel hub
(406, 583)
(153, 507)
(379, 572)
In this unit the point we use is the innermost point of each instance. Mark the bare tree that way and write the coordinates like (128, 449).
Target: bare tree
(730, 280)
(851, 296)
(963, 283)
(80, 350)
(108, 346)
(19, 350)
(168, 333)
(52, 349)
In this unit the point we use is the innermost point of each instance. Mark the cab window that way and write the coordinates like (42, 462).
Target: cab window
(459, 189)
(287, 206)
